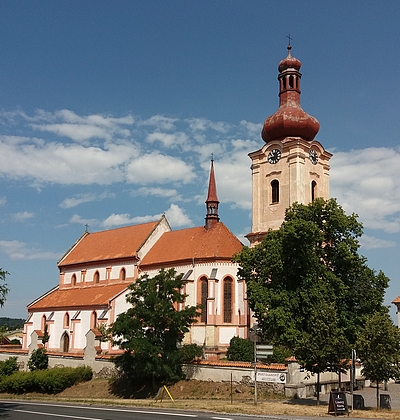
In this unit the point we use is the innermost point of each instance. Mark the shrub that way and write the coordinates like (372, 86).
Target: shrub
(9, 366)
(38, 360)
(240, 350)
(190, 352)
(50, 381)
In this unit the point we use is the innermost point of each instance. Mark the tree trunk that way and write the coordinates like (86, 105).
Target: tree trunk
(318, 386)
(377, 395)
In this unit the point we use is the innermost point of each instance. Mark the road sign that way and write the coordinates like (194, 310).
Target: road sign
(264, 350)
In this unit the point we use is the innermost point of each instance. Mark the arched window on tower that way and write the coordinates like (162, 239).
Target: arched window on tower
(73, 280)
(203, 298)
(291, 85)
(313, 190)
(122, 274)
(228, 286)
(275, 191)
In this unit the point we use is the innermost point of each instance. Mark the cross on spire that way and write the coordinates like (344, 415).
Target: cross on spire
(86, 226)
(289, 38)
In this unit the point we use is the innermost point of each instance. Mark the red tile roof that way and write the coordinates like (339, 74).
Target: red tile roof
(272, 366)
(198, 243)
(78, 297)
(397, 300)
(109, 244)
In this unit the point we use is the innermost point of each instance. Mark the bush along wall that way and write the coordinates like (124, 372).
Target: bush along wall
(50, 381)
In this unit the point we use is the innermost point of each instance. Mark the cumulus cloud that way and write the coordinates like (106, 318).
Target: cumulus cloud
(371, 242)
(157, 168)
(3, 201)
(366, 182)
(78, 199)
(161, 122)
(176, 216)
(168, 140)
(158, 192)
(17, 250)
(83, 221)
(23, 215)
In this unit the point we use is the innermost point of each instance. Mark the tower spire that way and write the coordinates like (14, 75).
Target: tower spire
(212, 200)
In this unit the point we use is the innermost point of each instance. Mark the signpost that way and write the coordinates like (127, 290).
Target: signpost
(338, 403)
(261, 351)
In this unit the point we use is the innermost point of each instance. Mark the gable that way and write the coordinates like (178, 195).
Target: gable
(125, 242)
(77, 298)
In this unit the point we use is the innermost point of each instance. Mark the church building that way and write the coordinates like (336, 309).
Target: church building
(96, 271)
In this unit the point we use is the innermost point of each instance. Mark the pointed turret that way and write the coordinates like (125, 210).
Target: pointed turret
(212, 201)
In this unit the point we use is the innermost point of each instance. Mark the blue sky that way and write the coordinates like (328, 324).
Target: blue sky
(110, 111)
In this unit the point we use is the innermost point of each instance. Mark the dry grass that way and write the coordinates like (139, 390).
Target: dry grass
(203, 396)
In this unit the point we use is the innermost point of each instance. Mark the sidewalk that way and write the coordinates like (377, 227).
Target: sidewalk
(369, 395)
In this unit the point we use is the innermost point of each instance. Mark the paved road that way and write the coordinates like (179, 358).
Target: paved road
(25, 410)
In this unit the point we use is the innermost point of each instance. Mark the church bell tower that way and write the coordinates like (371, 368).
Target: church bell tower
(292, 166)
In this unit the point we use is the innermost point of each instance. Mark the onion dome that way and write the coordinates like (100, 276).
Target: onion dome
(290, 120)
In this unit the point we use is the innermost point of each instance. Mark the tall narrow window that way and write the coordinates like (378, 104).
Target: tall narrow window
(66, 320)
(228, 300)
(96, 277)
(122, 274)
(204, 296)
(43, 323)
(275, 191)
(93, 320)
(313, 190)
(73, 280)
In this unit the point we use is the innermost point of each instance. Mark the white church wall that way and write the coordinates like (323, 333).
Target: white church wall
(226, 333)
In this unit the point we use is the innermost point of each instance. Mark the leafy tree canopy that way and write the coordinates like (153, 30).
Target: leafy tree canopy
(150, 331)
(306, 282)
(240, 349)
(3, 287)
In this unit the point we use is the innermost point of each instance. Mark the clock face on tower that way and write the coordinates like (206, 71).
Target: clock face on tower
(313, 156)
(274, 156)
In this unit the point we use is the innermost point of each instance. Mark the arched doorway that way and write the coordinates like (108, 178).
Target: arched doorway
(65, 342)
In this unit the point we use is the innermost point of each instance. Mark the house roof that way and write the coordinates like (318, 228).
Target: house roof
(123, 242)
(218, 242)
(397, 300)
(78, 297)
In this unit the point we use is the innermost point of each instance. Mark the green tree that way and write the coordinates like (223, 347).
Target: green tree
(151, 330)
(312, 260)
(378, 346)
(240, 349)
(3, 287)
(38, 360)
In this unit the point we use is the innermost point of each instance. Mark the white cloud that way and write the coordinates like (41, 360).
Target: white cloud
(78, 199)
(17, 250)
(158, 192)
(177, 217)
(366, 182)
(202, 124)
(161, 122)
(64, 164)
(371, 242)
(24, 215)
(81, 221)
(168, 140)
(158, 168)
(3, 201)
